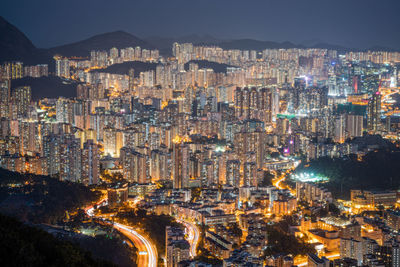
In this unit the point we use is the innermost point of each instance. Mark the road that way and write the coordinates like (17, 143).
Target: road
(277, 183)
(193, 236)
(147, 255)
(147, 252)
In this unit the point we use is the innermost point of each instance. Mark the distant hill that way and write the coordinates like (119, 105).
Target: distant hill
(339, 48)
(50, 87)
(217, 67)
(106, 41)
(123, 68)
(250, 44)
(164, 44)
(14, 45)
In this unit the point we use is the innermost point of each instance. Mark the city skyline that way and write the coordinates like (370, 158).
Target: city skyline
(181, 152)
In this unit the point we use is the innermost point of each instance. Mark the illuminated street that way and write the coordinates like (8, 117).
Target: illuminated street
(264, 135)
(147, 251)
(278, 181)
(193, 236)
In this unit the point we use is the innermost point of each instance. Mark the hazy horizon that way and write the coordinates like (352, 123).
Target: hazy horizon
(353, 24)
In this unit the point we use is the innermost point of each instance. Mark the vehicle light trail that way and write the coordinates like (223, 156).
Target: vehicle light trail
(147, 252)
(278, 182)
(147, 255)
(193, 236)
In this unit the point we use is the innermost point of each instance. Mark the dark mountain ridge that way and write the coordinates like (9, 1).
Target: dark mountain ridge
(14, 45)
(251, 44)
(105, 41)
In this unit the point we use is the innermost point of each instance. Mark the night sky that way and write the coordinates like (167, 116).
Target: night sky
(352, 23)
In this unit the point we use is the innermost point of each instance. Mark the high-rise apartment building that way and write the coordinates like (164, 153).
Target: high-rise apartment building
(62, 67)
(5, 95)
(21, 99)
(253, 104)
(90, 162)
(51, 151)
(70, 159)
(180, 164)
(233, 173)
(177, 249)
(134, 166)
(374, 112)
(354, 125)
(14, 70)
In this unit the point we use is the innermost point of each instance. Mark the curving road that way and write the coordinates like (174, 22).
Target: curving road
(147, 252)
(193, 236)
(277, 183)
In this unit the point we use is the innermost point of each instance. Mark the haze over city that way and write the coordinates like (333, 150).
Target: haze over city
(354, 23)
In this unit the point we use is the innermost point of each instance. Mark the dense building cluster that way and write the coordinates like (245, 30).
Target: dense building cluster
(224, 121)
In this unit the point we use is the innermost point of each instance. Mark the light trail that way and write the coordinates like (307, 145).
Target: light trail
(147, 255)
(193, 236)
(90, 209)
(278, 182)
(147, 252)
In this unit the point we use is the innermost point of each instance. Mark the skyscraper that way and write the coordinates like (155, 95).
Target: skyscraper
(351, 248)
(51, 151)
(90, 162)
(374, 111)
(21, 98)
(134, 165)
(5, 86)
(70, 159)
(180, 167)
(177, 249)
(14, 70)
(62, 67)
(233, 173)
(113, 141)
(64, 110)
(29, 141)
(354, 125)
(254, 104)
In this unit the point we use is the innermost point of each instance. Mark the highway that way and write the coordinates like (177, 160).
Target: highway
(193, 236)
(147, 255)
(147, 252)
